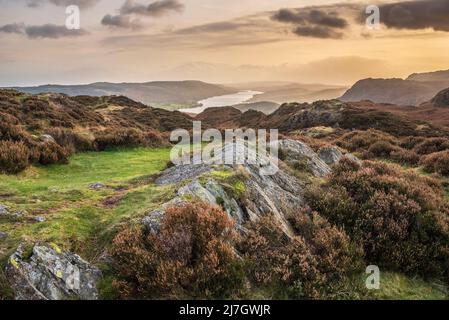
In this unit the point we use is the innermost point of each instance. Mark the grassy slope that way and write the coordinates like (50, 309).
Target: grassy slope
(78, 219)
(75, 215)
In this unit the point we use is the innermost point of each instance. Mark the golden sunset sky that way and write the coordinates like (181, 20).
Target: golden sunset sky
(219, 41)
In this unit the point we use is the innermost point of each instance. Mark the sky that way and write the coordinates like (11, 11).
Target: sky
(218, 41)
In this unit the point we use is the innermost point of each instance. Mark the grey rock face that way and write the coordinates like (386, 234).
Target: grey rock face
(5, 211)
(152, 222)
(39, 219)
(50, 274)
(3, 235)
(330, 155)
(299, 153)
(180, 173)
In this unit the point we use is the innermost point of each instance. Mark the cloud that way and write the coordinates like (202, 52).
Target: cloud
(51, 31)
(83, 4)
(13, 28)
(120, 21)
(313, 22)
(155, 9)
(415, 15)
(131, 8)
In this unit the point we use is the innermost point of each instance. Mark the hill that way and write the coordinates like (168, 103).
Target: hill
(414, 90)
(266, 107)
(158, 93)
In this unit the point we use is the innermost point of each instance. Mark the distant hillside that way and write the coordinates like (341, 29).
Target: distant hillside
(441, 100)
(266, 107)
(299, 93)
(430, 76)
(159, 93)
(416, 89)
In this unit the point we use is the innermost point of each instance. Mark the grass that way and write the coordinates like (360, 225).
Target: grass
(76, 217)
(394, 286)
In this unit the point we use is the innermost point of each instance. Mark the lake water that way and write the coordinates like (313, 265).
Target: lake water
(223, 101)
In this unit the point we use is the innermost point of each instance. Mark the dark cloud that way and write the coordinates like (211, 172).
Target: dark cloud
(13, 28)
(52, 31)
(130, 7)
(317, 32)
(415, 15)
(212, 27)
(120, 21)
(313, 22)
(155, 9)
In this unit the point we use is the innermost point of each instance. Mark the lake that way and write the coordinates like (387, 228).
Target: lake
(222, 101)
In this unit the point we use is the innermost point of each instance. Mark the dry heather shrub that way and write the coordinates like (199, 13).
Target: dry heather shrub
(437, 162)
(155, 138)
(399, 218)
(191, 256)
(432, 145)
(315, 263)
(376, 144)
(70, 140)
(52, 153)
(111, 138)
(14, 157)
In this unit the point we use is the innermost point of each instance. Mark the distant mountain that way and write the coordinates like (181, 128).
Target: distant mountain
(416, 89)
(430, 76)
(158, 93)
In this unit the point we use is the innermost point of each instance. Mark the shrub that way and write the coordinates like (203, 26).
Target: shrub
(154, 138)
(111, 138)
(14, 157)
(399, 218)
(432, 145)
(70, 140)
(52, 153)
(437, 162)
(191, 256)
(314, 263)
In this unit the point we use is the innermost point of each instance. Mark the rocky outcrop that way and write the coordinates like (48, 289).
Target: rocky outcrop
(299, 155)
(177, 174)
(332, 155)
(6, 211)
(48, 273)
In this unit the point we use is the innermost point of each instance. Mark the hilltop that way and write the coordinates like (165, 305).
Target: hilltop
(414, 90)
(158, 93)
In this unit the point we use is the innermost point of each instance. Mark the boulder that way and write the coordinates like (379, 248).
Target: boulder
(299, 154)
(3, 235)
(47, 138)
(97, 186)
(48, 273)
(4, 210)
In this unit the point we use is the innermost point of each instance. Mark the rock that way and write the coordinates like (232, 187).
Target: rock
(39, 219)
(3, 235)
(228, 203)
(331, 155)
(51, 274)
(97, 186)
(177, 174)
(152, 222)
(298, 153)
(47, 138)
(196, 190)
(4, 210)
